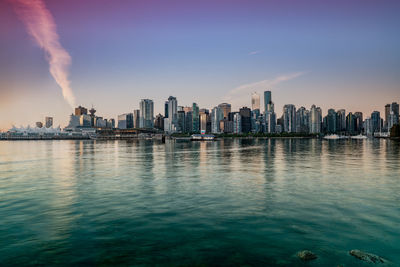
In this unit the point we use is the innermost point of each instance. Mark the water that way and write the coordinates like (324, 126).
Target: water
(228, 202)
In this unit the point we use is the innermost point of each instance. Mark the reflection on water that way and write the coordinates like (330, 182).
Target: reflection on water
(228, 202)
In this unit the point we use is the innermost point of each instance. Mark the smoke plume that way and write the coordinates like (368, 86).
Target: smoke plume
(41, 26)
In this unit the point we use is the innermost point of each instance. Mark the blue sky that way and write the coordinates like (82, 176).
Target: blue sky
(342, 54)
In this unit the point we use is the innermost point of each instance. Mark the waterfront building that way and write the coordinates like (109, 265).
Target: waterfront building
(180, 121)
(99, 122)
(255, 101)
(166, 109)
(204, 121)
(315, 119)
(226, 126)
(302, 120)
(267, 100)
(393, 117)
(170, 123)
(111, 123)
(80, 111)
(376, 121)
(330, 125)
(289, 118)
(159, 122)
(146, 113)
(188, 121)
(368, 128)
(136, 118)
(237, 123)
(387, 114)
(358, 117)
(245, 114)
(85, 121)
(48, 122)
(195, 118)
(226, 109)
(125, 121)
(39, 124)
(92, 112)
(341, 121)
(256, 124)
(270, 122)
(350, 123)
(216, 116)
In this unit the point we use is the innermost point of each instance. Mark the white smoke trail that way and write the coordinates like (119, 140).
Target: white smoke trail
(41, 26)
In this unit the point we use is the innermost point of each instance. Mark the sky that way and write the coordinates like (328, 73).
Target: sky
(111, 54)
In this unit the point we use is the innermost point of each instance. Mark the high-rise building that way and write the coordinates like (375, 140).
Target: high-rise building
(146, 113)
(80, 111)
(245, 114)
(166, 109)
(289, 118)
(255, 101)
(267, 100)
(85, 121)
(302, 120)
(331, 121)
(226, 108)
(350, 123)
(136, 118)
(125, 121)
(180, 121)
(159, 122)
(315, 119)
(216, 116)
(237, 123)
(204, 119)
(48, 122)
(376, 121)
(358, 117)
(195, 118)
(226, 126)
(188, 121)
(341, 120)
(170, 123)
(387, 113)
(393, 115)
(256, 122)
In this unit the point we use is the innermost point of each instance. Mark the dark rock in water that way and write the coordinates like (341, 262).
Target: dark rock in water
(368, 257)
(306, 255)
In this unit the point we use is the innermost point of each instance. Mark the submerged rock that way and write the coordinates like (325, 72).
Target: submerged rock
(365, 256)
(306, 255)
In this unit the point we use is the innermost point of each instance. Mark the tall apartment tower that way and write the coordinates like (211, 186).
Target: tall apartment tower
(267, 100)
(226, 109)
(289, 118)
(146, 113)
(255, 101)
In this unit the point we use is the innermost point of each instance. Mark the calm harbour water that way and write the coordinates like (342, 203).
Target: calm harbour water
(228, 202)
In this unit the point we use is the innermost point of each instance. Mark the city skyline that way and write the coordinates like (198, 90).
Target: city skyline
(208, 53)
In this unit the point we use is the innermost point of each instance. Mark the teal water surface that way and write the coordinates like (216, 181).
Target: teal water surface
(227, 202)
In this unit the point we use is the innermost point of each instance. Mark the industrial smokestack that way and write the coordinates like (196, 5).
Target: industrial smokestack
(41, 26)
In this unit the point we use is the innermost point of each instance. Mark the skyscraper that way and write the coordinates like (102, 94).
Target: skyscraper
(48, 122)
(80, 111)
(204, 119)
(255, 101)
(159, 122)
(393, 115)
(237, 123)
(170, 123)
(302, 120)
(376, 121)
(146, 113)
(195, 118)
(216, 116)
(289, 118)
(267, 100)
(125, 121)
(136, 118)
(331, 121)
(245, 114)
(315, 119)
(226, 108)
(341, 120)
